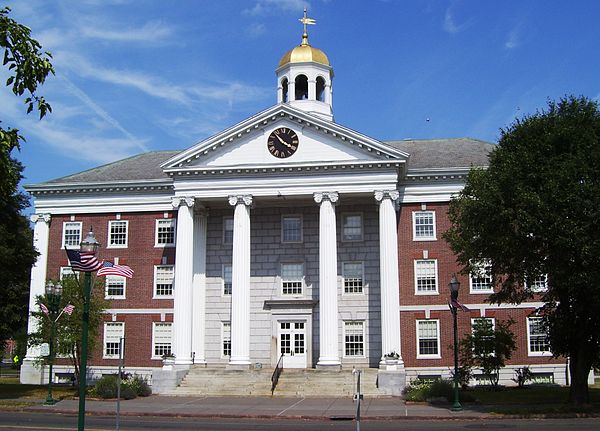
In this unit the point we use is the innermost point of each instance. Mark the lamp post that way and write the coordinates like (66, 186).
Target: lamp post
(53, 294)
(88, 245)
(454, 285)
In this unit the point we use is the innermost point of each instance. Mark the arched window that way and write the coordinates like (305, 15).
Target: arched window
(284, 90)
(320, 89)
(301, 85)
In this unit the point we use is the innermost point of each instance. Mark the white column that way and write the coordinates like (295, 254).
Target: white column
(184, 266)
(328, 292)
(199, 286)
(389, 282)
(41, 232)
(240, 283)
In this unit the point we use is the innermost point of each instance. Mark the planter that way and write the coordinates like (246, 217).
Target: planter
(391, 364)
(168, 363)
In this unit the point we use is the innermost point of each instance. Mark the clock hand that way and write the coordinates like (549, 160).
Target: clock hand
(283, 142)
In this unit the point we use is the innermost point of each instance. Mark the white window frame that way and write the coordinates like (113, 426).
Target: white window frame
(345, 238)
(154, 338)
(225, 230)
(223, 292)
(529, 351)
(155, 294)
(114, 278)
(302, 286)
(292, 216)
(173, 223)
(362, 278)
(481, 265)
(435, 269)
(438, 355)
(104, 341)
(492, 319)
(536, 287)
(109, 239)
(67, 270)
(364, 337)
(71, 246)
(414, 226)
(225, 324)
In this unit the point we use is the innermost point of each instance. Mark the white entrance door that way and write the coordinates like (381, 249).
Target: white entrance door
(292, 343)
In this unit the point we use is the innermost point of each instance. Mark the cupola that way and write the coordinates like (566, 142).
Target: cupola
(304, 77)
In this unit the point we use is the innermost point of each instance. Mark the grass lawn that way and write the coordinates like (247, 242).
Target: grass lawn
(12, 389)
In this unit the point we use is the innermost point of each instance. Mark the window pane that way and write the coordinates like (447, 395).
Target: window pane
(228, 230)
(162, 339)
(226, 339)
(352, 227)
(164, 280)
(353, 277)
(291, 278)
(426, 276)
(538, 338)
(72, 234)
(115, 286)
(118, 233)
(427, 335)
(424, 225)
(354, 338)
(165, 232)
(113, 332)
(291, 229)
(481, 277)
(226, 279)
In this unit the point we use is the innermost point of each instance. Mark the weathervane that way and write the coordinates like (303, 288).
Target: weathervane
(306, 21)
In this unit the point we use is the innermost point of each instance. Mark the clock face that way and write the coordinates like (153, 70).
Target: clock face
(282, 142)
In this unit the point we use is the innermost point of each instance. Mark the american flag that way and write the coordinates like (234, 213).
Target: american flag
(44, 309)
(110, 268)
(455, 304)
(69, 309)
(84, 261)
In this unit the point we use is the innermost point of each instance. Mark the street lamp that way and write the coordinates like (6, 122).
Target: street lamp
(89, 246)
(454, 285)
(53, 294)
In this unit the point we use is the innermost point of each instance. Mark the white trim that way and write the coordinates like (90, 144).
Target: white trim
(302, 287)
(364, 339)
(173, 222)
(362, 287)
(482, 265)
(85, 203)
(362, 226)
(66, 270)
(108, 239)
(481, 306)
(292, 216)
(104, 339)
(538, 289)
(438, 331)
(117, 311)
(115, 277)
(154, 294)
(170, 324)
(71, 246)
(435, 269)
(222, 344)
(545, 353)
(414, 226)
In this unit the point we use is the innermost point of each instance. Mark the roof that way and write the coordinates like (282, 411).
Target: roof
(444, 153)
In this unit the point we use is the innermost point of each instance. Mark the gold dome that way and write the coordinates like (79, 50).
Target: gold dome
(304, 53)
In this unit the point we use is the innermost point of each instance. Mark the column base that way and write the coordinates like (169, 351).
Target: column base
(30, 374)
(391, 365)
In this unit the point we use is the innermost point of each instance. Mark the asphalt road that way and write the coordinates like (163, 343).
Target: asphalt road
(20, 421)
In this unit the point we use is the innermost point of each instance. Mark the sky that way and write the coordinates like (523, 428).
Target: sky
(135, 76)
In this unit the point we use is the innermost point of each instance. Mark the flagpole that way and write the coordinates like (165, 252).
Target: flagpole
(87, 288)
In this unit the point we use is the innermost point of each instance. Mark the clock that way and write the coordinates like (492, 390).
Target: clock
(282, 142)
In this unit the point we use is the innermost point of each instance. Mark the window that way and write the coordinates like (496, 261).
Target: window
(354, 338)
(428, 339)
(424, 225)
(292, 275)
(301, 87)
(291, 228)
(71, 234)
(67, 271)
(488, 323)
(165, 232)
(114, 287)
(537, 337)
(353, 277)
(226, 279)
(352, 229)
(226, 337)
(480, 279)
(117, 233)
(227, 230)
(113, 332)
(539, 283)
(162, 333)
(163, 281)
(426, 277)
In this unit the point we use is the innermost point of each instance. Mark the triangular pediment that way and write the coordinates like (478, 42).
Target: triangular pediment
(319, 141)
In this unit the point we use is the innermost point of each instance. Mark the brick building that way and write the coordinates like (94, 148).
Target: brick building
(286, 236)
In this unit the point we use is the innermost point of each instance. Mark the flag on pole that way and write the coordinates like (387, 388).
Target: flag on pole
(68, 309)
(84, 261)
(44, 309)
(455, 304)
(109, 268)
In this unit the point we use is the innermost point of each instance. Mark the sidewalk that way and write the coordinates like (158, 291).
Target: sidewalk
(265, 407)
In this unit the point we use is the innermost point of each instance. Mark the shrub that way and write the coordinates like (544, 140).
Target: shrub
(106, 387)
(139, 385)
(522, 375)
(430, 391)
(127, 392)
(131, 387)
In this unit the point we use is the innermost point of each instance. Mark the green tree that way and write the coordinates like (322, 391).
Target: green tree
(28, 67)
(488, 347)
(536, 212)
(68, 328)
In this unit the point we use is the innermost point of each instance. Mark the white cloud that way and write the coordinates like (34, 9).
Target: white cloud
(256, 29)
(513, 40)
(152, 31)
(265, 7)
(449, 25)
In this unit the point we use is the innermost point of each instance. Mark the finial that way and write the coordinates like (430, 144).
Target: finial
(306, 21)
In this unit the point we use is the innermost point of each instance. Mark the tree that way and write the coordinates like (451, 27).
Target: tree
(488, 347)
(68, 328)
(535, 212)
(29, 67)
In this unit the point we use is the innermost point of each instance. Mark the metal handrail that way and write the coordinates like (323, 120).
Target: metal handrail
(276, 373)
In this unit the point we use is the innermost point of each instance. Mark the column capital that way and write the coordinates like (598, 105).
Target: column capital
(240, 199)
(40, 217)
(329, 196)
(380, 195)
(178, 201)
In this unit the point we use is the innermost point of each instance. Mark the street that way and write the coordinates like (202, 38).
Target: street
(19, 421)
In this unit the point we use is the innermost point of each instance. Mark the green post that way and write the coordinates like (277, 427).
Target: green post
(456, 407)
(53, 295)
(87, 289)
(49, 400)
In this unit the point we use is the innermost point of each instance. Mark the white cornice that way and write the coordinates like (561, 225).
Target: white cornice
(83, 188)
(79, 204)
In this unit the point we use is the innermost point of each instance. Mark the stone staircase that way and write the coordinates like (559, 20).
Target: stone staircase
(202, 381)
